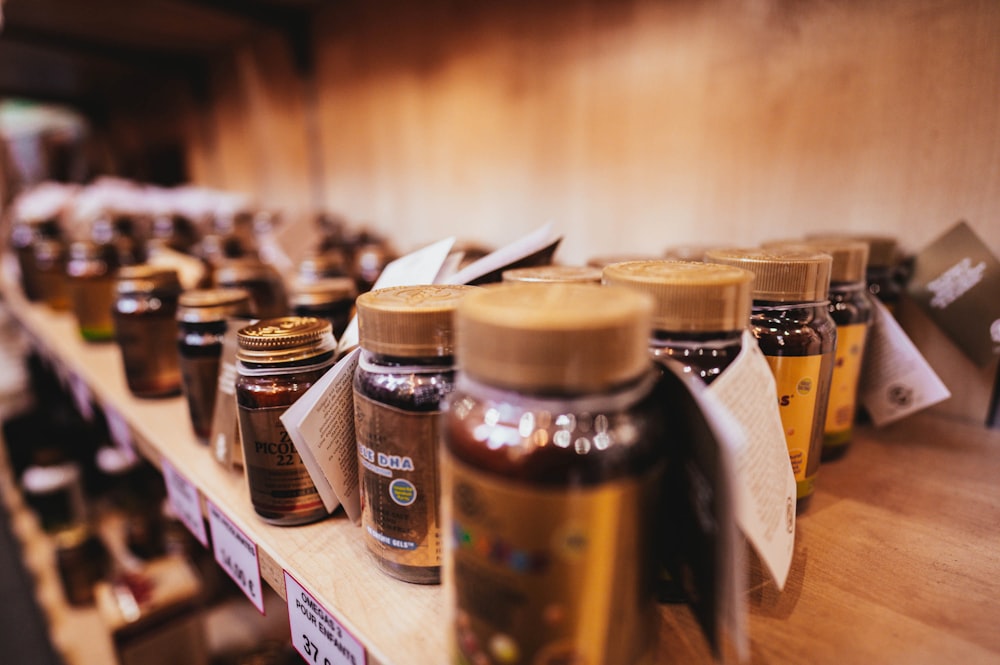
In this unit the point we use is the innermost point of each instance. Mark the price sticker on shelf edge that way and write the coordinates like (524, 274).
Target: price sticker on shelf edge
(316, 635)
(236, 554)
(183, 496)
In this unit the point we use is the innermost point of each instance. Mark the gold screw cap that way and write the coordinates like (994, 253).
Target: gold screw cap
(284, 339)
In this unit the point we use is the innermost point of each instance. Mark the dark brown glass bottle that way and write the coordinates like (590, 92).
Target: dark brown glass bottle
(330, 298)
(279, 360)
(551, 463)
(146, 330)
(266, 286)
(792, 324)
(700, 310)
(202, 321)
(405, 372)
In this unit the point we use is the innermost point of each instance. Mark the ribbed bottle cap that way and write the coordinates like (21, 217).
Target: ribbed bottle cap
(284, 339)
(882, 251)
(559, 274)
(145, 278)
(207, 305)
(779, 275)
(554, 337)
(410, 321)
(688, 296)
(323, 291)
(850, 257)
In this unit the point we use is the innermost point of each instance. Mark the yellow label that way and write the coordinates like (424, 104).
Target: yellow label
(846, 372)
(798, 382)
(549, 576)
(397, 452)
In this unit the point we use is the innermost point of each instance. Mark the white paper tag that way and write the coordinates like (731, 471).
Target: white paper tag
(508, 254)
(765, 483)
(82, 397)
(236, 554)
(321, 425)
(419, 267)
(121, 433)
(183, 497)
(896, 380)
(316, 635)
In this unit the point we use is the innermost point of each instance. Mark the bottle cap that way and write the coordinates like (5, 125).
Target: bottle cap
(554, 337)
(689, 296)
(147, 278)
(781, 275)
(410, 321)
(208, 305)
(850, 257)
(284, 339)
(564, 274)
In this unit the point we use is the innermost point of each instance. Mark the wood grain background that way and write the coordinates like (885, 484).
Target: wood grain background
(634, 125)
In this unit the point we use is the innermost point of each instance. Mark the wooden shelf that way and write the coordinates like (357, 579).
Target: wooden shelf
(895, 559)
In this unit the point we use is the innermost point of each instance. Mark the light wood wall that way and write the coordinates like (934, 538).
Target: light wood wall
(633, 125)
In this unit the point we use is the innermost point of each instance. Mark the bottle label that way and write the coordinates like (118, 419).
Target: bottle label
(280, 486)
(797, 379)
(200, 377)
(846, 372)
(554, 575)
(149, 353)
(397, 452)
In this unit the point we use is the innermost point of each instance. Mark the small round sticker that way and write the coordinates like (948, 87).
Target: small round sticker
(402, 491)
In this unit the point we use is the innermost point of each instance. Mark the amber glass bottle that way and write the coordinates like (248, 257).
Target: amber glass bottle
(405, 371)
(330, 298)
(202, 321)
(700, 312)
(279, 360)
(552, 458)
(851, 310)
(792, 324)
(91, 270)
(267, 288)
(146, 330)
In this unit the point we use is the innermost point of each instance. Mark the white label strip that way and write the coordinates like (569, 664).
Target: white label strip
(183, 497)
(316, 635)
(236, 554)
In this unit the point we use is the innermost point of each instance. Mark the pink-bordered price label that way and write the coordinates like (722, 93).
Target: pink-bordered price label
(236, 554)
(183, 497)
(316, 635)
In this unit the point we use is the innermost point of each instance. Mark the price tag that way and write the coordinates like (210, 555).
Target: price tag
(317, 636)
(236, 554)
(82, 397)
(183, 497)
(119, 430)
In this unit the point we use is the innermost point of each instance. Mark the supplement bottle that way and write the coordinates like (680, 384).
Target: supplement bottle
(405, 371)
(278, 361)
(551, 463)
(146, 330)
(851, 310)
(791, 320)
(91, 270)
(330, 298)
(202, 321)
(267, 289)
(700, 310)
